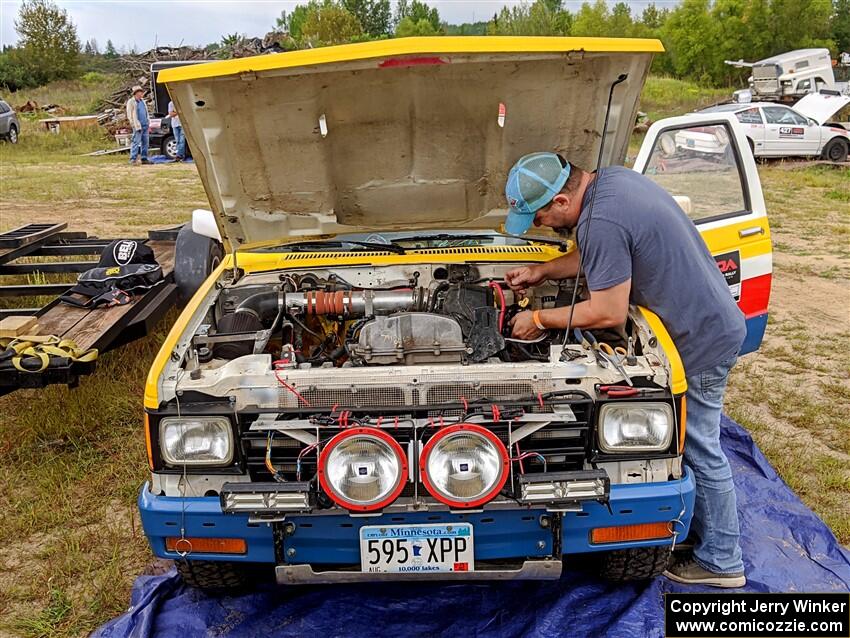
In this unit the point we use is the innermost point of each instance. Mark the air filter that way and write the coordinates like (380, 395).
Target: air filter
(235, 323)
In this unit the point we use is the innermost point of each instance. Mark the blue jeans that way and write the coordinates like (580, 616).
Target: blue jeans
(141, 140)
(715, 519)
(181, 141)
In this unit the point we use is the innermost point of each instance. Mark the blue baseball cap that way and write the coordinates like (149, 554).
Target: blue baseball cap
(532, 183)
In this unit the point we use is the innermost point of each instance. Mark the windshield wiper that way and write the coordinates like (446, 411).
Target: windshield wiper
(307, 246)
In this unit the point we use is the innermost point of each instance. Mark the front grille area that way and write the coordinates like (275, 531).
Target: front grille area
(563, 443)
(412, 393)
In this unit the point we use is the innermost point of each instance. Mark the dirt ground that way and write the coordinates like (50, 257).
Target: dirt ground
(71, 461)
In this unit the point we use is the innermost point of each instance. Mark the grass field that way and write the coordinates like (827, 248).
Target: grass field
(71, 461)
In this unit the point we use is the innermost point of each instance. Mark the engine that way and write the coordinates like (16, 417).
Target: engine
(348, 317)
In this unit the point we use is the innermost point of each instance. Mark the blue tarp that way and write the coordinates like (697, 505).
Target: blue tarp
(786, 548)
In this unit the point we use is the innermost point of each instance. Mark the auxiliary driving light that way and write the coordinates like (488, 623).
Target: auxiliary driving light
(558, 488)
(362, 469)
(464, 465)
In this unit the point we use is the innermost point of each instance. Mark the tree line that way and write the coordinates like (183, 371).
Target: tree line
(698, 35)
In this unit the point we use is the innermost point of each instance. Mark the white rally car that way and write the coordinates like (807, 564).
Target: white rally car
(775, 130)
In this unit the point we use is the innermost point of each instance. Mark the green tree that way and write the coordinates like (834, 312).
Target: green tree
(543, 17)
(329, 23)
(620, 24)
(757, 22)
(49, 41)
(110, 51)
(841, 25)
(408, 28)
(592, 20)
(733, 42)
(690, 36)
(293, 22)
(798, 24)
(416, 11)
(653, 17)
(375, 16)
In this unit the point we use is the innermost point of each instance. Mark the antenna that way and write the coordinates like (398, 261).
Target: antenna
(621, 78)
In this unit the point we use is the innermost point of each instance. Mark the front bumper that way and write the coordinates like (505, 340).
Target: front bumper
(333, 540)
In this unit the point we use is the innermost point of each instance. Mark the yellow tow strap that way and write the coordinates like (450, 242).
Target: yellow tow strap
(42, 348)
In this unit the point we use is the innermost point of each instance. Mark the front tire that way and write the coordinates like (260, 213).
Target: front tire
(169, 147)
(637, 563)
(13, 134)
(835, 150)
(195, 257)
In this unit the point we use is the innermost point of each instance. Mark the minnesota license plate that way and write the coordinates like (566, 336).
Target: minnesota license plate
(417, 548)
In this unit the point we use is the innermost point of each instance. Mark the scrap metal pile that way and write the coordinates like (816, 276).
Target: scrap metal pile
(136, 67)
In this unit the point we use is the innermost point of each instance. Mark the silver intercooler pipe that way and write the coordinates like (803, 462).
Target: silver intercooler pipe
(357, 303)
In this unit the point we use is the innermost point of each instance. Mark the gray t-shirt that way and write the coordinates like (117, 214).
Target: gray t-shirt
(638, 231)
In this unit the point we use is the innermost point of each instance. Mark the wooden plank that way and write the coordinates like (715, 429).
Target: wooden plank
(14, 312)
(16, 325)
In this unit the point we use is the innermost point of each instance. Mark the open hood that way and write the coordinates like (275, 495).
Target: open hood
(397, 134)
(821, 106)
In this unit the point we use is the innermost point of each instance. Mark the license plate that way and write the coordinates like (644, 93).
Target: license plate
(691, 143)
(417, 548)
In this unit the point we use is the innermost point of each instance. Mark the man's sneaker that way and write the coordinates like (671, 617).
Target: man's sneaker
(689, 572)
(145, 160)
(137, 162)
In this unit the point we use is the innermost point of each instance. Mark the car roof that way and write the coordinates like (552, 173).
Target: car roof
(737, 108)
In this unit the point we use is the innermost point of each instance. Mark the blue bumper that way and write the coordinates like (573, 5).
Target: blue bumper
(498, 533)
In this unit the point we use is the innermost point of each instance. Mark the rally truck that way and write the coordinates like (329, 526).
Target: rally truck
(342, 399)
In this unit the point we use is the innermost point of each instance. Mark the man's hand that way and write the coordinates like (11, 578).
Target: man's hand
(522, 278)
(523, 326)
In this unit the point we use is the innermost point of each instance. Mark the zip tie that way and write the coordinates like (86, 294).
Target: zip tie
(396, 423)
(380, 420)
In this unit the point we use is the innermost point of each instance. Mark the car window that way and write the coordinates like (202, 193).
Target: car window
(782, 115)
(699, 165)
(805, 85)
(750, 116)
(4, 108)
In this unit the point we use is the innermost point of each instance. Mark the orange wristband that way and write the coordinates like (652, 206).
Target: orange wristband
(535, 317)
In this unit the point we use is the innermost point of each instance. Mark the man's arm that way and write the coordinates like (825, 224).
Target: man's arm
(607, 308)
(563, 267)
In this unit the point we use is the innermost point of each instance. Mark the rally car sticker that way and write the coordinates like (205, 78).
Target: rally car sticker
(730, 265)
(791, 131)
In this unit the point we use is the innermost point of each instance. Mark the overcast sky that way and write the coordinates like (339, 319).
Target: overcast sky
(145, 23)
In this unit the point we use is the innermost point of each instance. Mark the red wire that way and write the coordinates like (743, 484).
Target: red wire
(290, 388)
(465, 404)
(519, 459)
(502, 303)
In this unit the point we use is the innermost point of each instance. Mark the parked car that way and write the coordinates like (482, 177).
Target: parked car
(342, 400)
(776, 130)
(789, 76)
(10, 127)
(162, 137)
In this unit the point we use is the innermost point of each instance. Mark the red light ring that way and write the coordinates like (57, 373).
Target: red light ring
(378, 434)
(464, 427)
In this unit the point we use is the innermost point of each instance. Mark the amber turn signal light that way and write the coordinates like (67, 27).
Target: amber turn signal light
(622, 533)
(206, 545)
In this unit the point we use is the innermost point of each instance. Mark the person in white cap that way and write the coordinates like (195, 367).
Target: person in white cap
(639, 247)
(137, 115)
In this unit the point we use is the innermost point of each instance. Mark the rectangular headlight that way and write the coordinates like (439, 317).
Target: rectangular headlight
(635, 427)
(197, 440)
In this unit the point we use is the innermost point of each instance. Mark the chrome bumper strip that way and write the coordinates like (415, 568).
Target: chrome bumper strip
(530, 570)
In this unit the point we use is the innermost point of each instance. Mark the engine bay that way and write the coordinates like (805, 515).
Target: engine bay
(377, 316)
